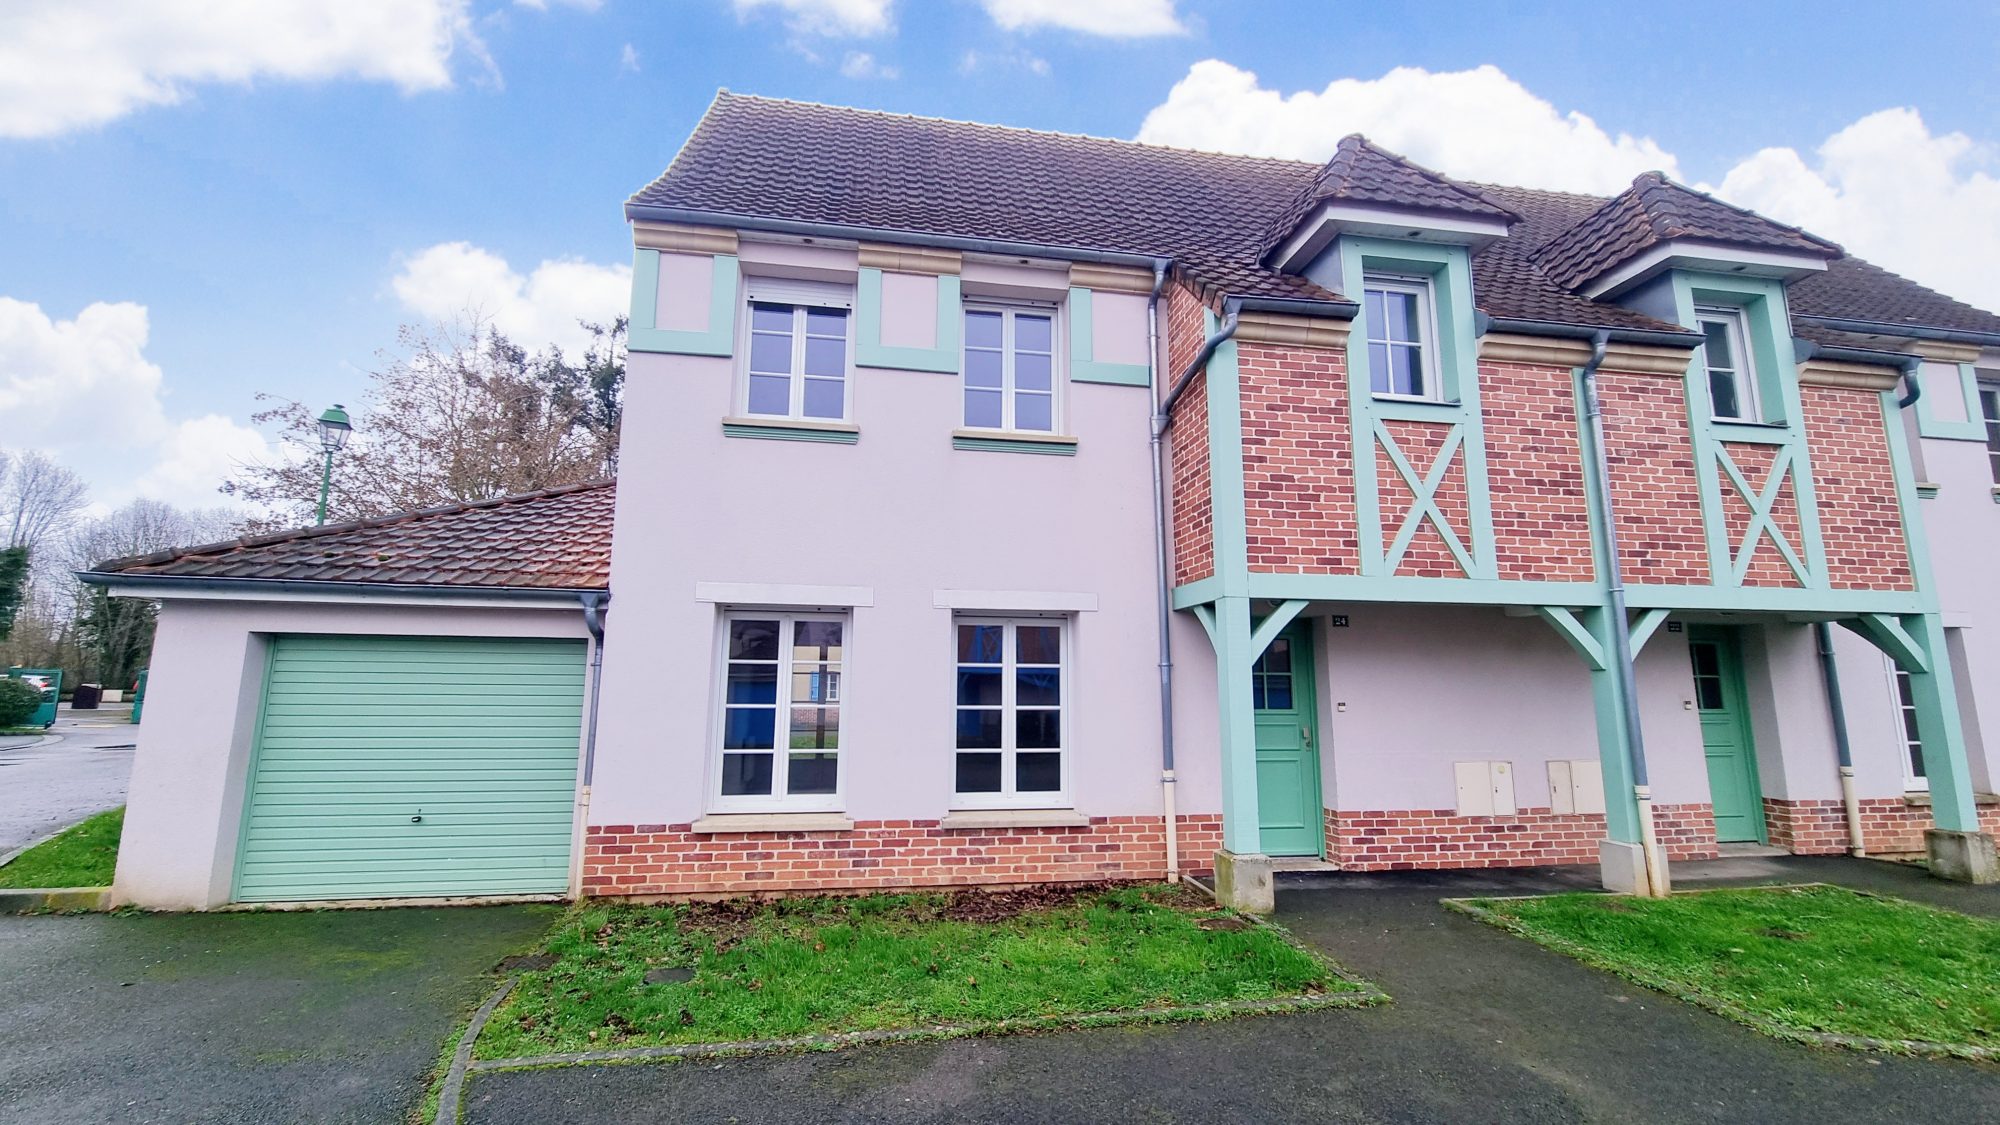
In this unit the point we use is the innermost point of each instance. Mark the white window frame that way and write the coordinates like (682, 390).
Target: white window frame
(1058, 370)
(1912, 748)
(800, 296)
(1736, 325)
(1989, 396)
(1008, 797)
(778, 800)
(1425, 291)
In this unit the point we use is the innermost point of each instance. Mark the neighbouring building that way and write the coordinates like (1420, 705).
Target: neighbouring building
(878, 595)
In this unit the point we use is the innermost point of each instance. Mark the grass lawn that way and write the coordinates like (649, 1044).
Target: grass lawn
(808, 966)
(1793, 961)
(84, 855)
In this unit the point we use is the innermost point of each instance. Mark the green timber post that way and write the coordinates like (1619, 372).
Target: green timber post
(1237, 717)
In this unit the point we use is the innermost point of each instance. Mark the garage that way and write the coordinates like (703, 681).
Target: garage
(397, 766)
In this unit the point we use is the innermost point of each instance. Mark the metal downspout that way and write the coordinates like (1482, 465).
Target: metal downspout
(1619, 626)
(1169, 807)
(593, 619)
(1829, 671)
(1162, 419)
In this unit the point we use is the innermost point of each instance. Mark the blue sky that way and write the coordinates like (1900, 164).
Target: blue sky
(192, 211)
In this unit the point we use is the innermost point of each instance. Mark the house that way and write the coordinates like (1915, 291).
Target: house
(1004, 506)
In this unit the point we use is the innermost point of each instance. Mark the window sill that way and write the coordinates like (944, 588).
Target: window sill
(1927, 489)
(1013, 441)
(1417, 400)
(724, 823)
(1996, 494)
(1920, 799)
(791, 429)
(1013, 818)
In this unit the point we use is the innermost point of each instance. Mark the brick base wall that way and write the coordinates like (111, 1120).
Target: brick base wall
(1888, 825)
(672, 859)
(1413, 839)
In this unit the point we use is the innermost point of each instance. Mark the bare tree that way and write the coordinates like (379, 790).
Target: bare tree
(461, 414)
(113, 636)
(38, 497)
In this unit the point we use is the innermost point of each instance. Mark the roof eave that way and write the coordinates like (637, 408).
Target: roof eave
(1698, 254)
(171, 586)
(1907, 331)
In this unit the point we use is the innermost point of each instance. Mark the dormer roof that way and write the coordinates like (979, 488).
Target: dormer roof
(1656, 212)
(1364, 173)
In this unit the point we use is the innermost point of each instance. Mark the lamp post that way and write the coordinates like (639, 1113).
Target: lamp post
(334, 430)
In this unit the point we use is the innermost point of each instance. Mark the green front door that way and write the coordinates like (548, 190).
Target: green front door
(1725, 736)
(1281, 687)
(391, 767)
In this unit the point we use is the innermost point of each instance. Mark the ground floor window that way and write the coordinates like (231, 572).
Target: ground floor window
(1012, 721)
(781, 701)
(1906, 719)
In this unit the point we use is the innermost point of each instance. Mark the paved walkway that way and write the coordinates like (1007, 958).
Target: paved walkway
(333, 1016)
(49, 783)
(1485, 1027)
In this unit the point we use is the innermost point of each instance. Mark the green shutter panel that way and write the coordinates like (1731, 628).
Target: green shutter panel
(411, 766)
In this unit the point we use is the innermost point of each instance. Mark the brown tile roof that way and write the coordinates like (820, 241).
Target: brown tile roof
(1655, 210)
(1362, 172)
(557, 539)
(1211, 212)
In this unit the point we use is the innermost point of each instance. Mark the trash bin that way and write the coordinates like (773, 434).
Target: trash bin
(139, 696)
(50, 681)
(86, 697)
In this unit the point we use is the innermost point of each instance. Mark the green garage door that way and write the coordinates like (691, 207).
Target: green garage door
(402, 766)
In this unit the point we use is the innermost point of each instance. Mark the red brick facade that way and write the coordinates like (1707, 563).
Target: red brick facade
(1854, 482)
(1420, 443)
(1192, 499)
(1767, 564)
(1421, 839)
(1654, 489)
(1889, 825)
(673, 859)
(1534, 472)
(1298, 480)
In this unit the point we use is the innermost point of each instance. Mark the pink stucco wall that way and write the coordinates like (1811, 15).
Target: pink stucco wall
(1427, 686)
(904, 515)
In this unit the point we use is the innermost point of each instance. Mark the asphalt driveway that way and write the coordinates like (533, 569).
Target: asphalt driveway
(332, 1016)
(50, 782)
(1485, 1027)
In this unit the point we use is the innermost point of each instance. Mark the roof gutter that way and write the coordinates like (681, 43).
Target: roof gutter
(1908, 331)
(658, 214)
(278, 587)
(1559, 330)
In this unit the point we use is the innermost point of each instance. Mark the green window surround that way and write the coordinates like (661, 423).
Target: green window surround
(1083, 366)
(1762, 303)
(1448, 269)
(642, 333)
(1971, 428)
(869, 351)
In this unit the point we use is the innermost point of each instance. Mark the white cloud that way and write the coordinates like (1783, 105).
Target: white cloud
(84, 391)
(826, 17)
(973, 62)
(861, 64)
(628, 59)
(1478, 124)
(1890, 190)
(73, 64)
(1116, 19)
(444, 281)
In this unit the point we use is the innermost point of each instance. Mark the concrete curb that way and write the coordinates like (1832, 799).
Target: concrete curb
(450, 1093)
(1922, 1048)
(1187, 1013)
(56, 899)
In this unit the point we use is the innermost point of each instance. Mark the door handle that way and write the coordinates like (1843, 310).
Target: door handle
(1305, 736)
(417, 819)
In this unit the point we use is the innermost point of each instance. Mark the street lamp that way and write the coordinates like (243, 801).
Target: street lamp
(334, 430)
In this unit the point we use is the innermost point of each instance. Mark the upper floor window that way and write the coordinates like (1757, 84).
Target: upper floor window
(798, 354)
(1732, 375)
(1402, 336)
(781, 703)
(1010, 368)
(1989, 412)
